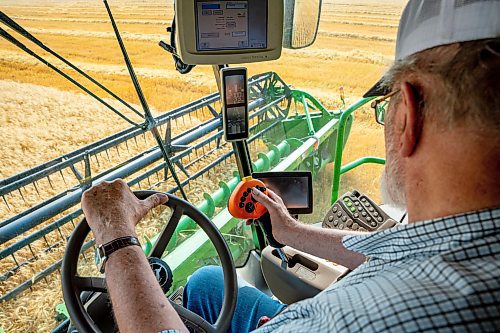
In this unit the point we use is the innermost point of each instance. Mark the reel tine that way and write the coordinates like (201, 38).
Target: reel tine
(15, 260)
(50, 182)
(46, 241)
(97, 160)
(126, 145)
(63, 178)
(32, 252)
(107, 154)
(22, 196)
(60, 232)
(36, 188)
(6, 203)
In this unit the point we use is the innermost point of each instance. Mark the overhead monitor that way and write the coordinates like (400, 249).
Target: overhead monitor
(228, 32)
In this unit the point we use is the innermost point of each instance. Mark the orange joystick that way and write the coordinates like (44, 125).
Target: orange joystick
(241, 203)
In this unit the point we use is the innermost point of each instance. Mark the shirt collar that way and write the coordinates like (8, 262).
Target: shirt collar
(426, 238)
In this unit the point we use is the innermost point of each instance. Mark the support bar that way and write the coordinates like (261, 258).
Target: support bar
(339, 150)
(364, 160)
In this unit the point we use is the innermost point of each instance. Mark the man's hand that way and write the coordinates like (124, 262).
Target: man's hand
(281, 220)
(112, 210)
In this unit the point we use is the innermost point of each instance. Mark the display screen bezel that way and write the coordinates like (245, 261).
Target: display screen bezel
(225, 74)
(291, 174)
(196, 30)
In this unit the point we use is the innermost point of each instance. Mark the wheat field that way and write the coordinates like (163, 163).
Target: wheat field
(43, 116)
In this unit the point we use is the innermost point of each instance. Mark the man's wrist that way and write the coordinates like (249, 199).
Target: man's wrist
(118, 255)
(107, 237)
(289, 231)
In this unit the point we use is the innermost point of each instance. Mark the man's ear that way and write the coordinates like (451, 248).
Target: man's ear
(408, 120)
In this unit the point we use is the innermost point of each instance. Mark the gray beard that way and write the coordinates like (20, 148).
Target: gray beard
(391, 183)
(390, 194)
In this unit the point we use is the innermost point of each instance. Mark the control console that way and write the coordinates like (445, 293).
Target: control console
(356, 211)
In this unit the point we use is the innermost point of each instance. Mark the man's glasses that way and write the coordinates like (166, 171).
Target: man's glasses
(379, 106)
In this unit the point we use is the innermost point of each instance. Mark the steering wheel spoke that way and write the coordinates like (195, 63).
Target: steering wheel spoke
(167, 232)
(96, 284)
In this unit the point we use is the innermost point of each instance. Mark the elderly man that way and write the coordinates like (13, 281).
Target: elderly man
(441, 271)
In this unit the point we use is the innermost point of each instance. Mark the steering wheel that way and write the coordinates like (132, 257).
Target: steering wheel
(73, 285)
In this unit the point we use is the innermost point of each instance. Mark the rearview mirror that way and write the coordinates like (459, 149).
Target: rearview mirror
(301, 22)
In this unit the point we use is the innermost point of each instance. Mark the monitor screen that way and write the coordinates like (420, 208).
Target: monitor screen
(295, 188)
(231, 25)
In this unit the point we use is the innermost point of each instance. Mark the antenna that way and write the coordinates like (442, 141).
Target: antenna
(147, 113)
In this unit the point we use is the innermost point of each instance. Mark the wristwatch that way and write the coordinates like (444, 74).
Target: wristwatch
(103, 251)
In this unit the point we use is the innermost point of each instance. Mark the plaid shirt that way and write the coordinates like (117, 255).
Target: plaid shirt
(439, 275)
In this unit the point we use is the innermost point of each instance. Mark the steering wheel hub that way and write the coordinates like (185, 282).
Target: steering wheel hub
(162, 272)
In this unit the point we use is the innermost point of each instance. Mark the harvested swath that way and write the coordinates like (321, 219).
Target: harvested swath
(98, 34)
(368, 24)
(77, 20)
(356, 36)
(352, 56)
(106, 69)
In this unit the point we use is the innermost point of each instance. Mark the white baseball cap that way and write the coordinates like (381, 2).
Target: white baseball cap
(429, 23)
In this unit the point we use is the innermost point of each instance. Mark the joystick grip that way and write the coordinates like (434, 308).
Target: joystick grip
(241, 203)
(265, 224)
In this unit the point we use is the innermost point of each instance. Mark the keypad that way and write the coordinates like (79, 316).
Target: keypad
(356, 212)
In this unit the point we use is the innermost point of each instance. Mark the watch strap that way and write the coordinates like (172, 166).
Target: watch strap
(117, 244)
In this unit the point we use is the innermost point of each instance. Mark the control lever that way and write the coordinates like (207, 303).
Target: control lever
(282, 255)
(265, 224)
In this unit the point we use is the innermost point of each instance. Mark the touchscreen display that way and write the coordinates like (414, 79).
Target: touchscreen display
(235, 90)
(226, 25)
(236, 112)
(293, 190)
